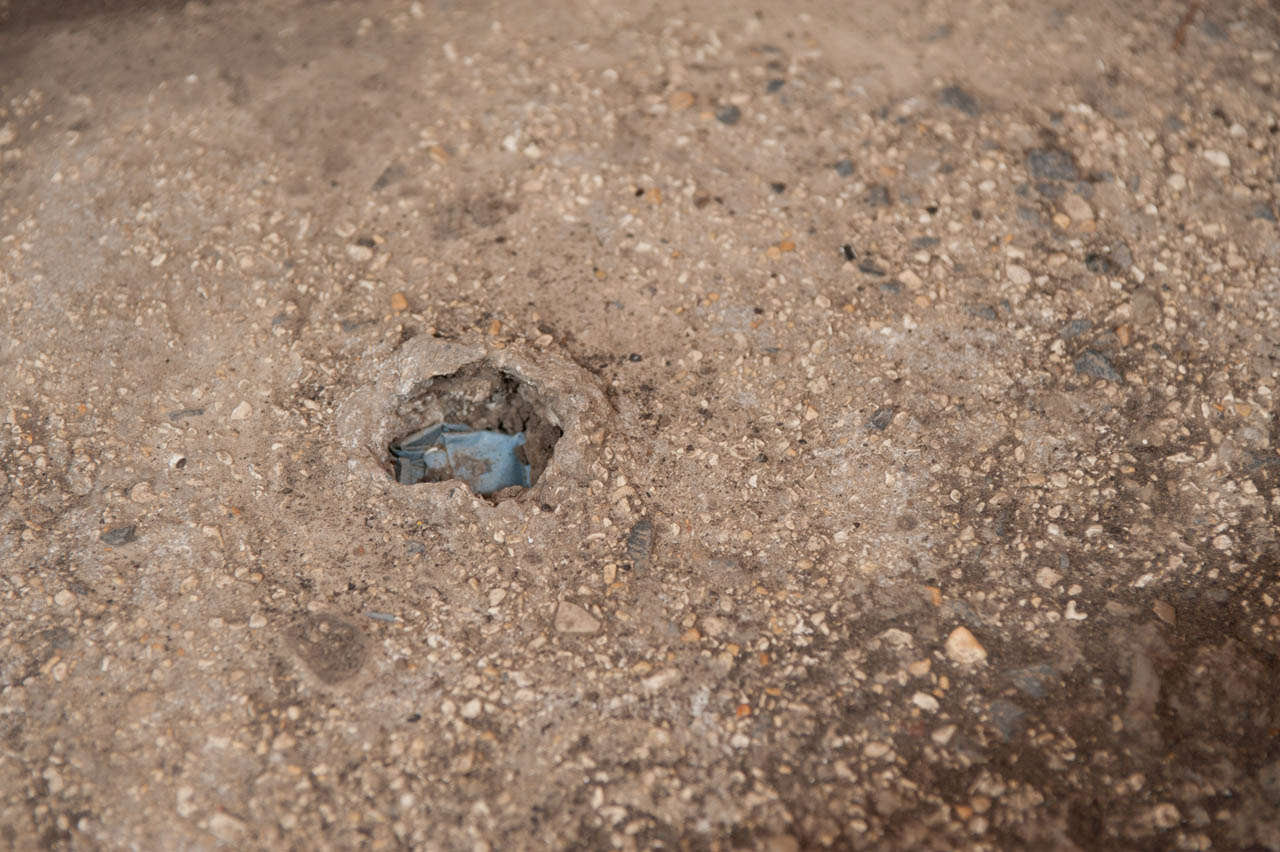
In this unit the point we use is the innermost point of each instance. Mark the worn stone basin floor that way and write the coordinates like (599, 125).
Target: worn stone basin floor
(910, 373)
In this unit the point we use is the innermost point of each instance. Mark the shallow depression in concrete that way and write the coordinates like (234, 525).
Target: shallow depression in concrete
(481, 425)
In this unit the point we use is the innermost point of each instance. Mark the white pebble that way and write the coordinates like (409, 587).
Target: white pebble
(964, 648)
(1218, 158)
(1018, 275)
(925, 702)
(875, 750)
(943, 735)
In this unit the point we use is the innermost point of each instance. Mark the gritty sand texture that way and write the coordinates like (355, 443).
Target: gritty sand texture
(916, 369)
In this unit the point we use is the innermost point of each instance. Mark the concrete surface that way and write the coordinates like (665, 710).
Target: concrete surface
(917, 369)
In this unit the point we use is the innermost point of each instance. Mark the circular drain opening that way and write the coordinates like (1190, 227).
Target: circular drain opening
(481, 425)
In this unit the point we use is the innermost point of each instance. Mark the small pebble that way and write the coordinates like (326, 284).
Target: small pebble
(1262, 210)
(1218, 158)
(359, 253)
(1075, 328)
(1052, 164)
(64, 598)
(1076, 207)
(1035, 681)
(964, 648)
(1047, 578)
(882, 418)
(119, 535)
(399, 302)
(876, 750)
(728, 114)
(1018, 275)
(925, 702)
(243, 411)
(681, 101)
(226, 828)
(571, 618)
(1007, 717)
(1096, 364)
(844, 168)
(919, 668)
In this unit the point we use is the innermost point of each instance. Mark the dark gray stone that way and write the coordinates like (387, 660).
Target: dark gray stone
(882, 418)
(119, 535)
(878, 195)
(1096, 364)
(1035, 681)
(1052, 164)
(1262, 210)
(1075, 328)
(1007, 717)
(958, 98)
(728, 114)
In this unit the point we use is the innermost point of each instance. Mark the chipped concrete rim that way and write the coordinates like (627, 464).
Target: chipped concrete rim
(573, 402)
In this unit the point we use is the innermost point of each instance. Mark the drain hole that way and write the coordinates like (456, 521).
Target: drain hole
(480, 425)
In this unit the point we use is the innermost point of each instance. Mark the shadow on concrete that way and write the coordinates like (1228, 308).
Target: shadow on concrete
(19, 15)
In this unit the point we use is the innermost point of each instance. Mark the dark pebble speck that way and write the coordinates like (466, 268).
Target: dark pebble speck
(1262, 210)
(778, 187)
(728, 114)
(871, 268)
(882, 418)
(119, 535)
(1101, 264)
(1007, 717)
(958, 98)
(1029, 215)
(774, 85)
(1052, 164)
(1034, 681)
(848, 252)
(1075, 328)
(1096, 364)
(844, 168)
(925, 242)
(878, 195)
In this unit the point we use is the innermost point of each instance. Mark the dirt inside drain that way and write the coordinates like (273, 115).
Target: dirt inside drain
(480, 425)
